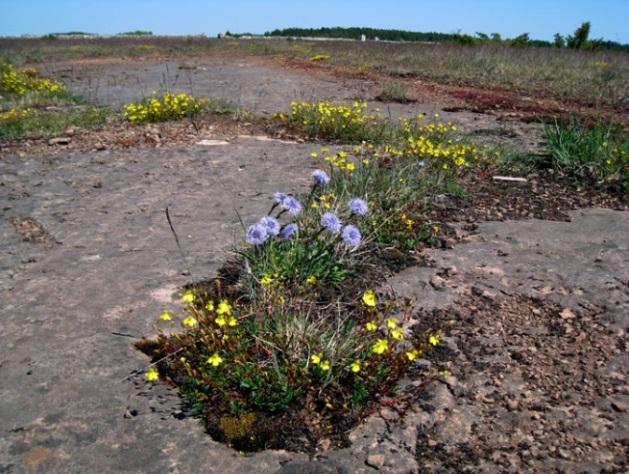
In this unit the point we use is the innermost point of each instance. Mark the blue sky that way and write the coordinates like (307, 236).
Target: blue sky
(540, 18)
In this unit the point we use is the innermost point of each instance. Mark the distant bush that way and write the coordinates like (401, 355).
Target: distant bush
(136, 33)
(394, 92)
(72, 33)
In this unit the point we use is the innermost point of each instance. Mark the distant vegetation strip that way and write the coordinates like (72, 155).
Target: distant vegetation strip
(578, 40)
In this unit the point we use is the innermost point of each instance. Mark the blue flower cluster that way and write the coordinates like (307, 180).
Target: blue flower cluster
(270, 226)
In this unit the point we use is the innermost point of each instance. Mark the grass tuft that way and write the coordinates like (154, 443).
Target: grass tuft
(394, 91)
(597, 152)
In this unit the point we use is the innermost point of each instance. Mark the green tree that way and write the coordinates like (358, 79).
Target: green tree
(496, 38)
(521, 41)
(482, 37)
(560, 41)
(579, 39)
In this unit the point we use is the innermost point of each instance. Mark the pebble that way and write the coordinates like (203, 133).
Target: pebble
(437, 282)
(59, 141)
(513, 405)
(375, 460)
(567, 314)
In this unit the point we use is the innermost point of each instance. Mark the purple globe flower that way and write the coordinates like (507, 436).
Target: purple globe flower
(279, 197)
(331, 222)
(320, 177)
(272, 225)
(351, 236)
(292, 205)
(256, 234)
(358, 206)
(288, 231)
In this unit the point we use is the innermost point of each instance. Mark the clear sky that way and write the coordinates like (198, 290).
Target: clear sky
(540, 18)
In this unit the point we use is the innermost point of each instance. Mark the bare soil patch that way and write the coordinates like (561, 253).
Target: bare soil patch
(534, 387)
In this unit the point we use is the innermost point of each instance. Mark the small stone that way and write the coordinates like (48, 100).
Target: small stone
(207, 142)
(513, 405)
(375, 460)
(488, 295)
(437, 282)
(563, 453)
(567, 314)
(69, 132)
(620, 406)
(451, 271)
(59, 141)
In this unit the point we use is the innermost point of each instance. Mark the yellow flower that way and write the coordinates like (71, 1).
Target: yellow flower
(371, 326)
(215, 360)
(224, 307)
(316, 358)
(266, 279)
(436, 229)
(397, 334)
(369, 298)
(434, 339)
(221, 321)
(209, 305)
(380, 346)
(232, 321)
(151, 374)
(190, 322)
(311, 280)
(391, 323)
(314, 154)
(355, 366)
(165, 316)
(325, 365)
(188, 296)
(412, 355)
(350, 166)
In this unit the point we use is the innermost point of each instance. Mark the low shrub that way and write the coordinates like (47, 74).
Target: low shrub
(326, 120)
(20, 82)
(169, 106)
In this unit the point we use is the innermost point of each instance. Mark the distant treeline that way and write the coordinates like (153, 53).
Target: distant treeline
(136, 33)
(357, 32)
(84, 33)
(578, 40)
